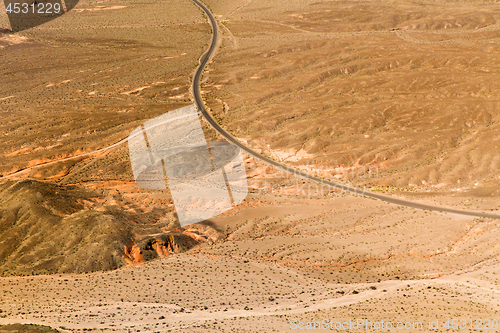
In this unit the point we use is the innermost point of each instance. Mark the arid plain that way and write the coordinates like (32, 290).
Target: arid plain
(398, 96)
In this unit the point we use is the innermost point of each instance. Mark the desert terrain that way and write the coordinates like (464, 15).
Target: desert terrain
(397, 97)
(285, 258)
(87, 79)
(408, 87)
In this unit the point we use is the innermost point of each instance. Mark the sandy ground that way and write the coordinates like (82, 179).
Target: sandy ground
(284, 258)
(292, 252)
(407, 87)
(88, 78)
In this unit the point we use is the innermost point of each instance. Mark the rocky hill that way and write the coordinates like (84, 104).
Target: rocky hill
(48, 228)
(45, 228)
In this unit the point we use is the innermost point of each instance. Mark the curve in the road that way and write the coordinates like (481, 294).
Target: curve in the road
(201, 108)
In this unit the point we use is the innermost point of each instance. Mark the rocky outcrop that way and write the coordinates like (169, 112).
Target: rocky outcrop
(161, 245)
(45, 228)
(133, 254)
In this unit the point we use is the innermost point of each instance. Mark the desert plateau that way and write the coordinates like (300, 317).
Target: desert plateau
(394, 97)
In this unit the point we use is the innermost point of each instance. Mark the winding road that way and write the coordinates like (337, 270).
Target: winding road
(201, 108)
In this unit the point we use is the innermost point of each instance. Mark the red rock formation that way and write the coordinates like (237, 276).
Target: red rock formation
(133, 254)
(161, 249)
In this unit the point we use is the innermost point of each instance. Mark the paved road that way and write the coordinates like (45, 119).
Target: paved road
(201, 107)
